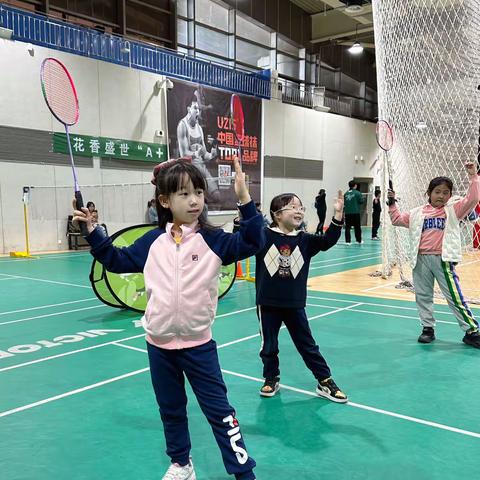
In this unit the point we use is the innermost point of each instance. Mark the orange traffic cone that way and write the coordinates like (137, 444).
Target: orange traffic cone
(239, 273)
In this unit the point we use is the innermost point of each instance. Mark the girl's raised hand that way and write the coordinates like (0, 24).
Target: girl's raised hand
(338, 204)
(470, 166)
(82, 216)
(240, 184)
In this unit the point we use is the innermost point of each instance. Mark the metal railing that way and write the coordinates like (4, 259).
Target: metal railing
(46, 32)
(307, 97)
(342, 107)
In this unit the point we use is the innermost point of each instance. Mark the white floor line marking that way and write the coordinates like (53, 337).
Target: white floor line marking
(72, 352)
(44, 359)
(342, 258)
(380, 304)
(259, 380)
(379, 286)
(238, 341)
(48, 306)
(309, 318)
(235, 312)
(344, 263)
(48, 281)
(398, 316)
(53, 314)
(118, 344)
(9, 278)
(366, 407)
(71, 392)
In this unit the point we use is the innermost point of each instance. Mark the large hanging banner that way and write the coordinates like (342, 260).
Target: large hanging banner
(199, 127)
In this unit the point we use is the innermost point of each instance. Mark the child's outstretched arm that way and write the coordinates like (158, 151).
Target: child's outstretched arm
(464, 206)
(250, 237)
(117, 260)
(319, 243)
(398, 218)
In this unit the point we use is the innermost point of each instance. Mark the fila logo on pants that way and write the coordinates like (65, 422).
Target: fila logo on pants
(235, 436)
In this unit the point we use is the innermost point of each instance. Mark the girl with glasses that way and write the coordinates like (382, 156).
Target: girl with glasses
(281, 284)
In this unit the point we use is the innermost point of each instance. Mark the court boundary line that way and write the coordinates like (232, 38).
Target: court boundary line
(47, 306)
(46, 281)
(382, 304)
(9, 322)
(360, 406)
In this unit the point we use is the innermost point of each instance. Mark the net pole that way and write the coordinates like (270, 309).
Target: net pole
(26, 253)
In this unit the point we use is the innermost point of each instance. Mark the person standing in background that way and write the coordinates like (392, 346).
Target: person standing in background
(353, 202)
(376, 212)
(321, 207)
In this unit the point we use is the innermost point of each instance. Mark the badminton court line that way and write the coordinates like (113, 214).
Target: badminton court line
(247, 377)
(121, 377)
(399, 307)
(53, 314)
(45, 281)
(344, 263)
(80, 350)
(421, 421)
(48, 306)
(341, 258)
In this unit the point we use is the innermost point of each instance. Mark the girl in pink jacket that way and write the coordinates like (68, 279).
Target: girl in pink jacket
(435, 249)
(181, 260)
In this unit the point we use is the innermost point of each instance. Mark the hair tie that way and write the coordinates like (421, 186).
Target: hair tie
(167, 164)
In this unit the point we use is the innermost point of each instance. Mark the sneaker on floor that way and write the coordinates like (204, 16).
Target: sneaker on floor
(360, 242)
(427, 335)
(328, 388)
(176, 472)
(348, 243)
(270, 387)
(472, 339)
(375, 238)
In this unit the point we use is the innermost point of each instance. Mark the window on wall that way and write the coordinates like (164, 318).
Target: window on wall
(251, 31)
(182, 32)
(287, 47)
(288, 66)
(211, 13)
(214, 59)
(182, 8)
(251, 54)
(211, 41)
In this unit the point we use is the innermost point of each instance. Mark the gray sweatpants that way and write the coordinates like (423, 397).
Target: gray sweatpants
(428, 269)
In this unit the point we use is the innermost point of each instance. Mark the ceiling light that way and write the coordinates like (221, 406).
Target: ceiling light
(356, 48)
(353, 6)
(421, 125)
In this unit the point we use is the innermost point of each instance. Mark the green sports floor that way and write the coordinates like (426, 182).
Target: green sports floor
(76, 400)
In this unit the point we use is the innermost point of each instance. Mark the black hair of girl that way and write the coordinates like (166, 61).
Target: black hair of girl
(172, 178)
(436, 182)
(278, 203)
(90, 204)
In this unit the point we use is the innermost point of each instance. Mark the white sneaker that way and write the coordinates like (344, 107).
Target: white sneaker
(176, 472)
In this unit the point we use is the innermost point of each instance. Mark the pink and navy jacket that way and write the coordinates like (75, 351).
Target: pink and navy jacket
(181, 280)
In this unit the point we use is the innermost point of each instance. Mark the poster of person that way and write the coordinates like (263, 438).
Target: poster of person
(199, 127)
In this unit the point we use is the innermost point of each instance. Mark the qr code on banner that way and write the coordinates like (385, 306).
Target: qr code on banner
(224, 174)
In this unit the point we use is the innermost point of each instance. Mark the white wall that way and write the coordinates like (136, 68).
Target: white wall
(297, 132)
(114, 102)
(120, 102)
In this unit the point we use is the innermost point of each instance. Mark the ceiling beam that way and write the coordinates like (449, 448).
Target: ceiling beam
(350, 33)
